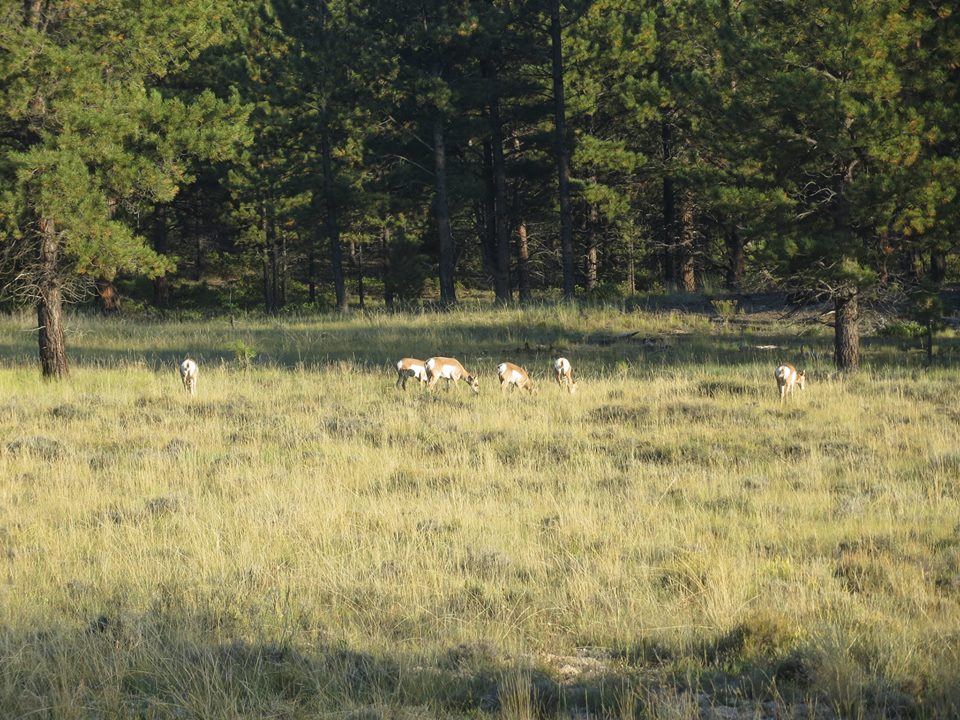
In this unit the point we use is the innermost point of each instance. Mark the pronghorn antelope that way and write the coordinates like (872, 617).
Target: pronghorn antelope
(410, 368)
(515, 375)
(564, 374)
(787, 376)
(450, 370)
(188, 374)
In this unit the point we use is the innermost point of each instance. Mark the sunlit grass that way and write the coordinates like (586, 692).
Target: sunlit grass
(302, 538)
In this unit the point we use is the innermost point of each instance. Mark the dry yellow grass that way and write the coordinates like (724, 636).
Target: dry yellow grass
(301, 538)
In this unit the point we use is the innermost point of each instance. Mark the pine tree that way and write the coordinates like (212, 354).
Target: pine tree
(90, 140)
(854, 146)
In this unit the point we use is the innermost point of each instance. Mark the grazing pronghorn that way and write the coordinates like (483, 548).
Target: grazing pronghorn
(564, 374)
(450, 370)
(515, 375)
(410, 368)
(188, 374)
(787, 376)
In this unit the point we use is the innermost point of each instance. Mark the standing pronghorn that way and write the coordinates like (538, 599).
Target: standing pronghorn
(787, 376)
(564, 374)
(410, 368)
(515, 375)
(450, 370)
(188, 374)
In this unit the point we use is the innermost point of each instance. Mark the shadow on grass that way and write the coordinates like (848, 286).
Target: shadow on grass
(154, 666)
(481, 343)
(137, 667)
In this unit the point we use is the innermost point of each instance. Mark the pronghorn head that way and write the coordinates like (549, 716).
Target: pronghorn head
(474, 385)
(572, 388)
(801, 378)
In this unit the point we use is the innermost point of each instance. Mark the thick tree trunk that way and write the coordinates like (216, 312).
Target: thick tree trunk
(502, 288)
(562, 153)
(523, 262)
(448, 291)
(736, 259)
(53, 348)
(846, 338)
(109, 297)
(333, 226)
(685, 254)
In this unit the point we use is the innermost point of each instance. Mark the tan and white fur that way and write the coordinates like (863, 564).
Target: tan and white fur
(564, 374)
(514, 375)
(411, 368)
(787, 376)
(450, 370)
(188, 374)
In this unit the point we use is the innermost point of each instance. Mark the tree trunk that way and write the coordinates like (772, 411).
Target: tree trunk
(53, 348)
(333, 226)
(387, 286)
(312, 272)
(161, 284)
(938, 266)
(269, 301)
(361, 295)
(590, 270)
(846, 336)
(109, 297)
(486, 212)
(282, 268)
(448, 291)
(273, 258)
(197, 249)
(562, 153)
(631, 268)
(668, 206)
(736, 260)
(685, 254)
(523, 263)
(501, 282)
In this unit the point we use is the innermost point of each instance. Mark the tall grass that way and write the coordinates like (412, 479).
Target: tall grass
(302, 538)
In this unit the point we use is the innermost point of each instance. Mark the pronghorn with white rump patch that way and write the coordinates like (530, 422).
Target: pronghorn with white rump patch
(450, 370)
(411, 368)
(787, 376)
(514, 375)
(564, 374)
(188, 374)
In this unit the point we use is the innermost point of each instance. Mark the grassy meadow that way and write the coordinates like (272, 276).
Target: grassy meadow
(302, 539)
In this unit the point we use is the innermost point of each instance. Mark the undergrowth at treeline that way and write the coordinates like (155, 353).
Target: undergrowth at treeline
(302, 538)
